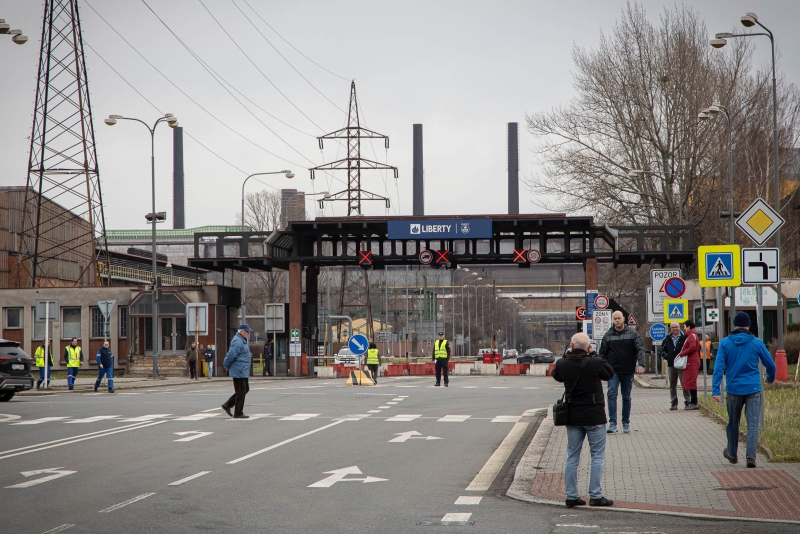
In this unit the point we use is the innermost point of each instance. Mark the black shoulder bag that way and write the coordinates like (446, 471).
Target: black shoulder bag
(561, 407)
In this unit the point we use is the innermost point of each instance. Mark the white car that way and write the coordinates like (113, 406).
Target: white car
(345, 356)
(510, 353)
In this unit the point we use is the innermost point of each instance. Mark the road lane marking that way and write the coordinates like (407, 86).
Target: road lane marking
(384, 407)
(187, 479)
(126, 503)
(146, 418)
(403, 418)
(483, 480)
(40, 421)
(402, 437)
(93, 435)
(398, 399)
(284, 442)
(189, 437)
(62, 528)
(299, 417)
(253, 417)
(197, 417)
(54, 472)
(5, 417)
(337, 475)
(456, 517)
(390, 403)
(212, 409)
(375, 411)
(93, 419)
(463, 499)
(507, 419)
(453, 419)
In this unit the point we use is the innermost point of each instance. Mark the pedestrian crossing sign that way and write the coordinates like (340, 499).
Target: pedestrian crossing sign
(676, 310)
(719, 266)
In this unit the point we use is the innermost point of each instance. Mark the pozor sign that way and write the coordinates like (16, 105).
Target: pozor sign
(440, 229)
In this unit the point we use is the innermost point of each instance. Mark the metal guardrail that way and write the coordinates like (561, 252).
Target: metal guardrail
(146, 277)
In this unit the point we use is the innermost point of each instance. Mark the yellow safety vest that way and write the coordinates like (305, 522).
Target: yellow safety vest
(372, 357)
(39, 355)
(440, 348)
(73, 356)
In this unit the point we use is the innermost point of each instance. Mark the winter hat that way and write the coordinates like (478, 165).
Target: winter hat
(741, 319)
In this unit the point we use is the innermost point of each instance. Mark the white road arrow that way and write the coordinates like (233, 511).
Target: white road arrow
(339, 474)
(57, 472)
(197, 435)
(5, 417)
(405, 436)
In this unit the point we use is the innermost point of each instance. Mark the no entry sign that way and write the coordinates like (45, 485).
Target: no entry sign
(675, 287)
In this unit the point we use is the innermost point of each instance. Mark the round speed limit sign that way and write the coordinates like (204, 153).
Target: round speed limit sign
(425, 257)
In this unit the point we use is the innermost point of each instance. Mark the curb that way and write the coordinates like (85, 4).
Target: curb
(528, 468)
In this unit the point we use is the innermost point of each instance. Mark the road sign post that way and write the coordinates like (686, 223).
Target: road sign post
(47, 309)
(658, 279)
(760, 265)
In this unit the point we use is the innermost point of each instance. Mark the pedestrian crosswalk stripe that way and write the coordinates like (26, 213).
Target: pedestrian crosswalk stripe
(507, 419)
(468, 500)
(403, 418)
(299, 417)
(456, 517)
(40, 421)
(93, 419)
(453, 418)
(197, 417)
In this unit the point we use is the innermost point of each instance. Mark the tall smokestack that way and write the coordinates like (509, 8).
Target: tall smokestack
(513, 169)
(419, 177)
(178, 214)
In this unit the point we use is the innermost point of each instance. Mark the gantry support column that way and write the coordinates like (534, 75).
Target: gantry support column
(591, 274)
(295, 312)
(312, 307)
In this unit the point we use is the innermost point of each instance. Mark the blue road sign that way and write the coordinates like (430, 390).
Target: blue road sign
(591, 294)
(658, 332)
(719, 266)
(676, 311)
(358, 344)
(675, 287)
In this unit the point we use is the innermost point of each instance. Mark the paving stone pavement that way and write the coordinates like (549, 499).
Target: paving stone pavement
(671, 462)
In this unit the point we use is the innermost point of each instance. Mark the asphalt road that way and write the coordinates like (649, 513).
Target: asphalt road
(315, 456)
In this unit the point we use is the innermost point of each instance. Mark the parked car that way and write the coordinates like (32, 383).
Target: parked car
(510, 353)
(345, 356)
(15, 370)
(537, 356)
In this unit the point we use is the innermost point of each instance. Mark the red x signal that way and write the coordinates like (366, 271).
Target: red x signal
(442, 256)
(519, 256)
(365, 258)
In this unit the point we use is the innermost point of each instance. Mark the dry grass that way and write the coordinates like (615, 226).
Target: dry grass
(782, 420)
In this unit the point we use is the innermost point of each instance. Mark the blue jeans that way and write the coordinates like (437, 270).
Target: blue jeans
(626, 382)
(597, 448)
(752, 411)
(41, 377)
(72, 374)
(108, 372)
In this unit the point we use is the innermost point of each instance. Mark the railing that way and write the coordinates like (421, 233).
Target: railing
(146, 277)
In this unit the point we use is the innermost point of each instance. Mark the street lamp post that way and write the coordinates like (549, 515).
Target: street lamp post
(290, 175)
(705, 114)
(16, 35)
(748, 21)
(469, 314)
(152, 217)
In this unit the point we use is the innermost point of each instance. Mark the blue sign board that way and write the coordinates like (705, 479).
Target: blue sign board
(676, 311)
(440, 229)
(358, 344)
(719, 266)
(590, 308)
(658, 332)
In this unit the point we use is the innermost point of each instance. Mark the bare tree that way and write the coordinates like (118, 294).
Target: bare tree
(262, 213)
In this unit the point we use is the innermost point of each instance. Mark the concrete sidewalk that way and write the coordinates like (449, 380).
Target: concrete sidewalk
(671, 464)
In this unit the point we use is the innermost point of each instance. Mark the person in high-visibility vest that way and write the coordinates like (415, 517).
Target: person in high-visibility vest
(373, 360)
(73, 355)
(40, 362)
(441, 355)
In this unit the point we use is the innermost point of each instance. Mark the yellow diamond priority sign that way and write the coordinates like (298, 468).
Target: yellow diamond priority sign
(760, 221)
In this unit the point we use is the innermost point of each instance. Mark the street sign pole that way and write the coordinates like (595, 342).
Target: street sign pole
(46, 342)
(760, 323)
(703, 341)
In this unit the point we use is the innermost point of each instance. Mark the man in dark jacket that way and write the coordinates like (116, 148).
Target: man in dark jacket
(586, 417)
(623, 349)
(105, 367)
(671, 347)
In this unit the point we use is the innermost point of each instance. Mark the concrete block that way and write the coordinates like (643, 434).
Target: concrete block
(489, 369)
(325, 372)
(463, 369)
(538, 369)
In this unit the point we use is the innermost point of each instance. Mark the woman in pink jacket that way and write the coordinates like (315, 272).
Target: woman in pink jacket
(691, 349)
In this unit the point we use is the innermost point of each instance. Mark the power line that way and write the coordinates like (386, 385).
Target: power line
(290, 44)
(284, 58)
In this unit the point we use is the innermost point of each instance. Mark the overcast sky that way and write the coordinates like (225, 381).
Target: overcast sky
(463, 69)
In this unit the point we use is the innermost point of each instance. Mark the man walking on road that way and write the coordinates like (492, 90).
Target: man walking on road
(191, 360)
(41, 363)
(623, 349)
(582, 376)
(105, 367)
(373, 360)
(669, 350)
(737, 358)
(237, 362)
(266, 369)
(74, 357)
(441, 355)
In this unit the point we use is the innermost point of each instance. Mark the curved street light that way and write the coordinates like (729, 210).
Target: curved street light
(152, 217)
(16, 35)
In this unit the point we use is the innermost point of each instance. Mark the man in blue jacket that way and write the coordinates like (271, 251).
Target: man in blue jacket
(105, 367)
(237, 362)
(737, 359)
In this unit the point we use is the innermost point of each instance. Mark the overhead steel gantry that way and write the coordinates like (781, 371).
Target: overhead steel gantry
(365, 242)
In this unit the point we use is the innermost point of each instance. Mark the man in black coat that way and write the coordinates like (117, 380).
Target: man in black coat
(582, 376)
(670, 348)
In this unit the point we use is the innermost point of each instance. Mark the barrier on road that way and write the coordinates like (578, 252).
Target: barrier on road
(326, 372)
(489, 369)
(360, 378)
(463, 369)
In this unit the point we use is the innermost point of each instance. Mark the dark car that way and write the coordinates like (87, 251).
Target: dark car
(15, 370)
(537, 356)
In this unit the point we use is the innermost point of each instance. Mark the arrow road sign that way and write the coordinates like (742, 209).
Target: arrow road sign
(358, 344)
(338, 475)
(760, 265)
(405, 436)
(192, 435)
(57, 472)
